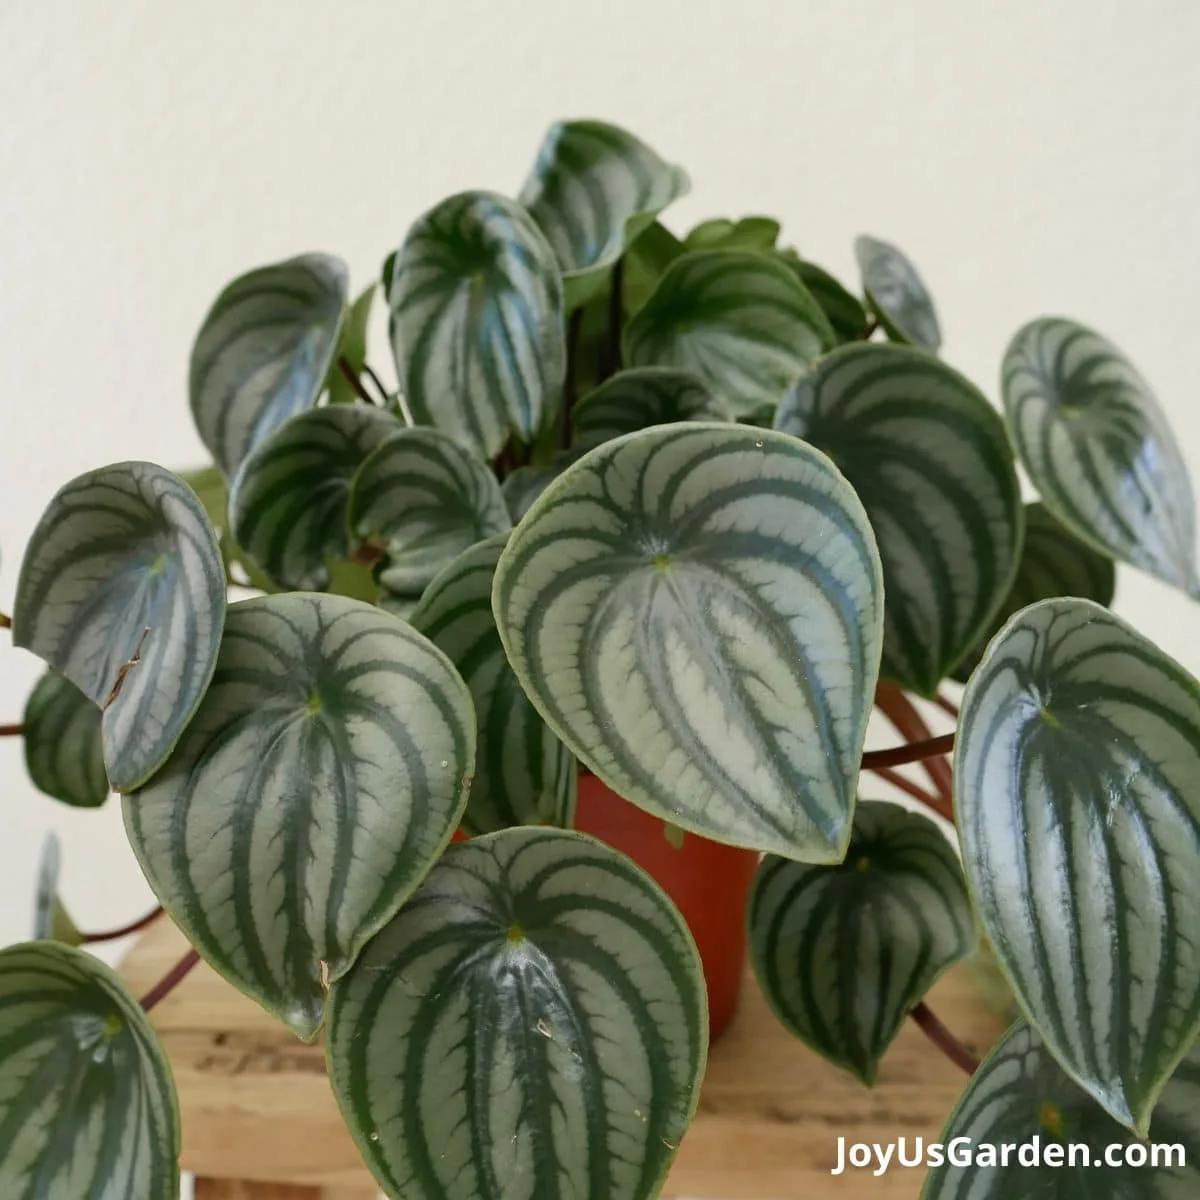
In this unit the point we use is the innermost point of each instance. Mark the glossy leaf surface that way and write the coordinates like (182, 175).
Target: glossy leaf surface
(63, 751)
(897, 295)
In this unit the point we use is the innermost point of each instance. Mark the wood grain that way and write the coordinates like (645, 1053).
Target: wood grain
(256, 1103)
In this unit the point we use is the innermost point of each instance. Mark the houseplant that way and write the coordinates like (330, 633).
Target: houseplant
(665, 511)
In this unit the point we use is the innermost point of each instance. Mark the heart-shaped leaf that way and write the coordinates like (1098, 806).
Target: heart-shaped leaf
(1099, 450)
(843, 952)
(844, 310)
(533, 1023)
(696, 612)
(123, 591)
(1054, 563)
(289, 498)
(523, 774)
(1069, 1148)
(321, 778)
(592, 191)
(743, 322)
(930, 459)
(896, 294)
(641, 397)
(351, 348)
(476, 303)
(264, 351)
(1078, 806)
(63, 751)
(87, 1103)
(50, 917)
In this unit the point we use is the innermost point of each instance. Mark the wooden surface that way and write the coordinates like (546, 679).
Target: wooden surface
(256, 1104)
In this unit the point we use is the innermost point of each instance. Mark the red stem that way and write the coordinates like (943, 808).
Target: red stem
(897, 756)
(11, 730)
(110, 935)
(943, 1039)
(351, 377)
(170, 980)
(936, 803)
(947, 705)
(910, 725)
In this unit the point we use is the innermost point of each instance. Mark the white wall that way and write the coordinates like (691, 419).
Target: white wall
(1039, 156)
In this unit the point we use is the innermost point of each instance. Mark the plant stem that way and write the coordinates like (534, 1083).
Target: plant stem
(11, 730)
(610, 359)
(384, 398)
(569, 390)
(167, 984)
(932, 802)
(910, 725)
(869, 332)
(5, 621)
(947, 705)
(351, 376)
(943, 1039)
(897, 756)
(109, 935)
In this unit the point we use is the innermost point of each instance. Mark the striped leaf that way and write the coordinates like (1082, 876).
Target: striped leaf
(1099, 450)
(264, 351)
(1079, 814)
(930, 459)
(896, 294)
(63, 752)
(592, 191)
(526, 484)
(1020, 1097)
(746, 233)
(533, 1024)
(123, 591)
(641, 397)
(843, 952)
(323, 775)
(50, 917)
(352, 347)
(1054, 563)
(844, 310)
(289, 499)
(696, 611)
(743, 322)
(87, 1103)
(523, 774)
(424, 499)
(476, 301)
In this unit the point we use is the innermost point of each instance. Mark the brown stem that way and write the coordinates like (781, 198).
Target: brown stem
(5, 621)
(351, 377)
(910, 725)
(897, 756)
(384, 398)
(109, 935)
(170, 980)
(947, 705)
(935, 803)
(11, 730)
(569, 389)
(943, 1039)
(869, 330)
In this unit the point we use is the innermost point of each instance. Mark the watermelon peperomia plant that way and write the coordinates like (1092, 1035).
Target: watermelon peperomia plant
(666, 510)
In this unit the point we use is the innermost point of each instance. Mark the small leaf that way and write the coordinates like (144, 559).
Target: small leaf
(844, 310)
(264, 351)
(896, 294)
(1054, 563)
(87, 1103)
(593, 190)
(747, 233)
(352, 347)
(289, 499)
(695, 610)
(323, 775)
(477, 322)
(641, 397)
(1020, 1098)
(1075, 794)
(843, 952)
(930, 459)
(123, 591)
(523, 774)
(426, 499)
(526, 484)
(63, 751)
(533, 1023)
(51, 921)
(742, 322)
(1099, 450)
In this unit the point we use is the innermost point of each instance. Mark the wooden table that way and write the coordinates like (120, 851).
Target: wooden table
(260, 1122)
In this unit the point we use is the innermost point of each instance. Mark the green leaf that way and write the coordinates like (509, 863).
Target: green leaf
(423, 497)
(352, 346)
(592, 191)
(289, 499)
(1053, 563)
(747, 233)
(264, 351)
(896, 294)
(63, 751)
(640, 397)
(123, 591)
(930, 459)
(696, 611)
(1019, 1097)
(843, 952)
(87, 1103)
(533, 1023)
(523, 774)
(1077, 807)
(476, 305)
(744, 323)
(844, 310)
(526, 484)
(1099, 450)
(323, 775)
(50, 917)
